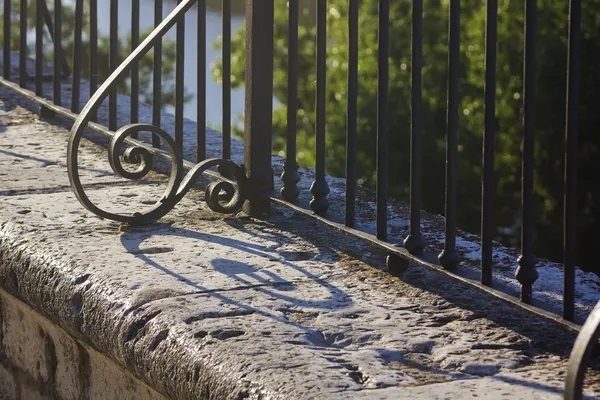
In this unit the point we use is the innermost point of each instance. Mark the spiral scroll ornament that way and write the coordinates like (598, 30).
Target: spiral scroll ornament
(223, 196)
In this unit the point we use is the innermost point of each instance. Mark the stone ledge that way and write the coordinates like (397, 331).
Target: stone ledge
(208, 306)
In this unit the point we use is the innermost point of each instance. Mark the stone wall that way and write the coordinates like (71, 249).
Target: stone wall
(39, 360)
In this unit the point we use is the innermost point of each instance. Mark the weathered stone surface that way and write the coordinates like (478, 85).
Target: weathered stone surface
(41, 361)
(8, 387)
(30, 352)
(201, 305)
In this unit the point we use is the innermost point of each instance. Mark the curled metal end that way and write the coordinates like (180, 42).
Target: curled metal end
(223, 196)
(581, 354)
(132, 155)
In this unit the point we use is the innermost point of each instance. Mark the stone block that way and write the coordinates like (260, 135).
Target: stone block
(8, 386)
(25, 342)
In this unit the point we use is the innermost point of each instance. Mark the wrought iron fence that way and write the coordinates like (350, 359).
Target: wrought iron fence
(252, 184)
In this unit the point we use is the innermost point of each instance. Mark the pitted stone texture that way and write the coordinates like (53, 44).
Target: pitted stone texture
(8, 386)
(33, 159)
(30, 352)
(201, 305)
(41, 361)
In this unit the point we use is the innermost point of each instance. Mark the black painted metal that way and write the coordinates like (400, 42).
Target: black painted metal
(382, 119)
(39, 48)
(94, 67)
(489, 135)
(157, 73)
(587, 340)
(201, 90)
(113, 60)
(179, 82)
(66, 70)
(414, 242)
(351, 114)
(449, 258)
(526, 272)
(76, 78)
(290, 176)
(319, 188)
(258, 123)
(571, 134)
(135, 73)
(23, 44)
(6, 45)
(226, 58)
(58, 52)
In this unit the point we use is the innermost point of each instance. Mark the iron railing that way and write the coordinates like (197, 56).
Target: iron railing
(586, 342)
(252, 184)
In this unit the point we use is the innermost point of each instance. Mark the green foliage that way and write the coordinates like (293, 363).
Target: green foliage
(550, 121)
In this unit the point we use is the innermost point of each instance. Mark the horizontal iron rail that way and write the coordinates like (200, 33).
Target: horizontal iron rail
(422, 261)
(102, 129)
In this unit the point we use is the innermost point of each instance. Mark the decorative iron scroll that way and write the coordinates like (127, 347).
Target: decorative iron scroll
(581, 354)
(178, 185)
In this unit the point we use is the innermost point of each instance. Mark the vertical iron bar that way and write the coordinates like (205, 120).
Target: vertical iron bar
(351, 113)
(58, 52)
(179, 82)
(22, 44)
(135, 72)
(526, 273)
(6, 45)
(157, 73)
(226, 56)
(571, 134)
(48, 19)
(382, 118)
(290, 175)
(489, 135)
(93, 49)
(319, 188)
(258, 115)
(39, 48)
(449, 257)
(414, 242)
(76, 79)
(113, 63)
(201, 93)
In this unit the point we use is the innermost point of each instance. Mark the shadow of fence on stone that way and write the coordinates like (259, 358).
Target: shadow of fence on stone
(244, 277)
